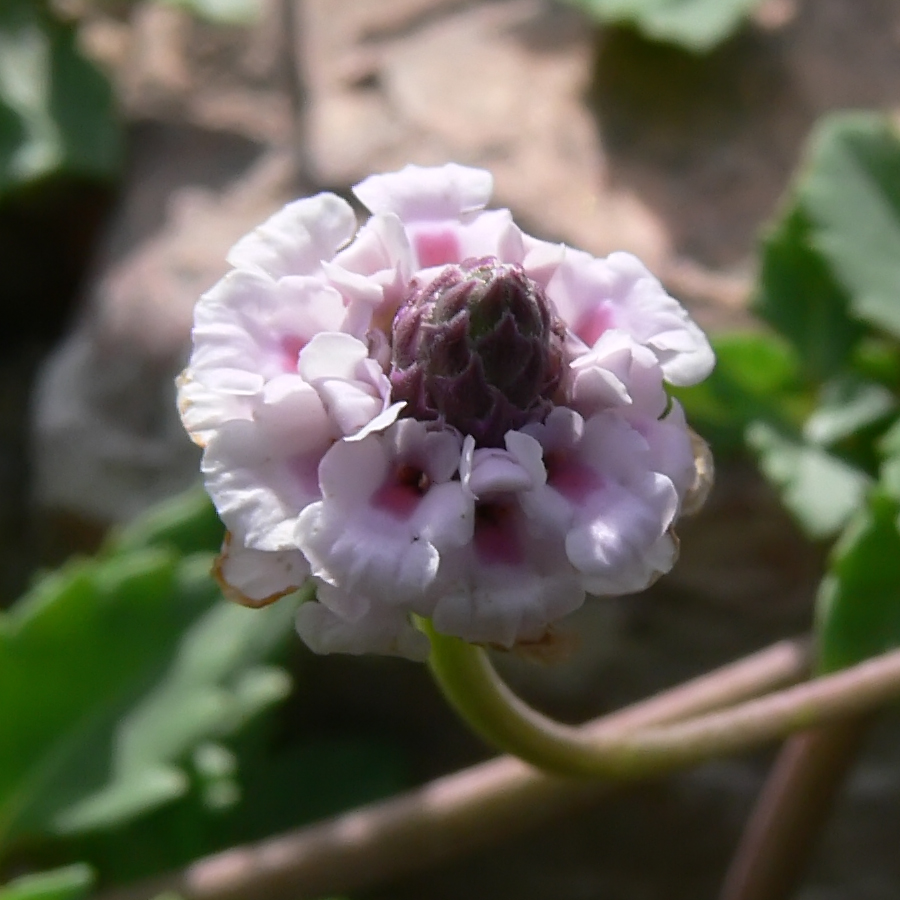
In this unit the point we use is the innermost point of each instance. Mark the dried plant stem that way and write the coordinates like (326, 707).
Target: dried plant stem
(792, 810)
(452, 815)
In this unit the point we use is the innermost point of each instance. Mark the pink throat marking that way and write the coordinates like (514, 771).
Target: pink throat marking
(401, 492)
(571, 477)
(436, 248)
(291, 345)
(592, 323)
(495, 541)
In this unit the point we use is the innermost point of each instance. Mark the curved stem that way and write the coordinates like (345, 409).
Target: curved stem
(452, 816)
(472, 687)
(476, 692)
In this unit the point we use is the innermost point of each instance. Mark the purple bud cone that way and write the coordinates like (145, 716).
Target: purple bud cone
(479, 348)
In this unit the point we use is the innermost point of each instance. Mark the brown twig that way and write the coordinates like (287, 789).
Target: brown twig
(452, 815)
(792, 810)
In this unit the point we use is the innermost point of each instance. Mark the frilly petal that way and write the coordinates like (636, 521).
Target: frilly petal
(297, 238)
(257, 578)
(386, 516)
(594, 295)
(622, 548)
(385, 631)
(417, 193)
(505, 605)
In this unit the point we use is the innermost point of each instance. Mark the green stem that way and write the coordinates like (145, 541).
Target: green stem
(470, 684)
(472, 687)
(453, 815)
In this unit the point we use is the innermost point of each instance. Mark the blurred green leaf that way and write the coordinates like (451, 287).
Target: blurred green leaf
(56, 108)
(851, 191)
(821, 490)
(697, 25)
(876, 358)
(858, 611)
(187, 523)
(847, 405)
(212, 687)
(110, 673)
(889, 443)
(282, 787)
(757, 376)
(68, 883)
(799, 297)
(889, 448)
(223, 12)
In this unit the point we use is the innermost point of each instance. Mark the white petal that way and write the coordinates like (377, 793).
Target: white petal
(297, 238)
(375, 531)
(383, 631)
(505, 605)
(618, 544)
(418, 194)
(383, 420)
(593, 295)
(352, 405)
(381, 245)
(332, 355)
(671, 449)
(496, 471)
(617, 371)
(255, 577)
(259, 487)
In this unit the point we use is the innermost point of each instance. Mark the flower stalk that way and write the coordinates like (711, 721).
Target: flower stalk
(453, 815)
(473, 688)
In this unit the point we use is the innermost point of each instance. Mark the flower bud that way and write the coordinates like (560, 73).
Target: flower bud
(479, 348)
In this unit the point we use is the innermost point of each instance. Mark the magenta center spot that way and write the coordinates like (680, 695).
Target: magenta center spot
(591, 324)
(291, 345)
(496, 541)
(571, 477)
(400, 494)
(436, 248)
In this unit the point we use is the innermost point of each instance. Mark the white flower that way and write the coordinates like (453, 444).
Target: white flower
(437, 414)
(512, 580)
(390, 507)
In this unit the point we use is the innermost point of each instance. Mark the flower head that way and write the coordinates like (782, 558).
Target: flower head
(437, 414)
(479, 348)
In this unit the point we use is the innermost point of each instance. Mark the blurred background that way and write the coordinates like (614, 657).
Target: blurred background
(139, 139)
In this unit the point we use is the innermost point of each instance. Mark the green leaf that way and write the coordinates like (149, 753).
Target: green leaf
(889, 443)
(223, 12)
(69, 883)
(889, 448)
(858, 610)
(821, 490)
(847, 405)
(876, 358)
(697, 25)
(110, 673)
(187, 523)
(799, 297)
(56, 108)
(851, 191)
(281, 787)
(757, 376)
